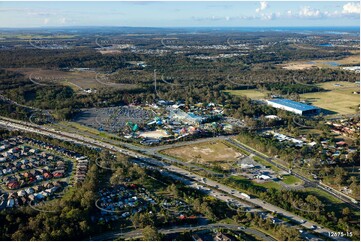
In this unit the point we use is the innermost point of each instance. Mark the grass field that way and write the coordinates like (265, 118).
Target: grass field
(250, 93)
(291, 180)
(267, 185)
(73, 126)
(323, 195)
(338, 99)
(205, 152)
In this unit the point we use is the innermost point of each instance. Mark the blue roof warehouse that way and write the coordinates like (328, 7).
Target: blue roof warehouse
(295, 107)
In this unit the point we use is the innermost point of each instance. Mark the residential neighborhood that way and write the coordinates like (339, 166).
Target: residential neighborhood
(32, 171)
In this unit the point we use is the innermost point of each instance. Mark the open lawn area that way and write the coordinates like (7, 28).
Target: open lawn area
(205, 152)
(76, 127)
(239, 180)
(291, 180)
(322, 195)
(250, 93)
(338, 97)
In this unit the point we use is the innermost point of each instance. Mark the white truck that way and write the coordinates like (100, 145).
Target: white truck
(245, 195)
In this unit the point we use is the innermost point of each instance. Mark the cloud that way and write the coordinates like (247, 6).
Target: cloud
(46, 21)
(40, 13)
(263, 6)
(351, 8)
(62, 20)
(309, 12)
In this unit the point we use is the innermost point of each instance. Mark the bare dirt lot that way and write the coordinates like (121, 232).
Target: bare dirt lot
(205, 152)
(157, 134)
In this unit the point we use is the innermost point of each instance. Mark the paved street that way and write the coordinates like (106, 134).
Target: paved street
(307, 181)
(188, 177)
(179, 229)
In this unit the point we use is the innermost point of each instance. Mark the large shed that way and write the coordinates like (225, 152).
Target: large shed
(295, 107)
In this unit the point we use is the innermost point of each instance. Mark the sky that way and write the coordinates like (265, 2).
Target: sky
(180, 14)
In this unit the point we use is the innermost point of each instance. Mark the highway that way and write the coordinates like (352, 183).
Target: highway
(154, 152)
(179, 229)
(186, 176)
(305, 179)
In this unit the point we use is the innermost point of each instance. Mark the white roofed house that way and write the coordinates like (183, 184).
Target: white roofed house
(263, 177)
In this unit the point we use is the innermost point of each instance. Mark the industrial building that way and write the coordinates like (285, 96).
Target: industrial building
(295, 107)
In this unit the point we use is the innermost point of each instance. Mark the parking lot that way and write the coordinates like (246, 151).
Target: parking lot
(114, 119)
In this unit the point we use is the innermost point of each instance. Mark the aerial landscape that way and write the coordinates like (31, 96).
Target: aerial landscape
(180, 121)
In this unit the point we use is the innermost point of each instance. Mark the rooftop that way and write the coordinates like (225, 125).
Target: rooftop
(293, 104)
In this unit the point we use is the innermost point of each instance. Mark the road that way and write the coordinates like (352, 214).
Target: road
(153, 151)
(307, 181)
(186, 176)
(179, 229)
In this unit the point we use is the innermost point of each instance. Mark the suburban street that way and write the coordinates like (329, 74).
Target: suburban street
(187, 176)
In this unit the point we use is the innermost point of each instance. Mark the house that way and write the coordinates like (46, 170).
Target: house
(47, 175)
(38, 188)
(58, 174)
(13, 185)
(48, 185)
(21, 193)
(263, 177)
(196, 237)
(10, 203)
(27, 174)
(276, 221)
(31, 197)
(39, 196)
(22, 200)
(30, 190)
(44, 194)
(341, 143)
(52, 190)
(39, 177)
(222, 237)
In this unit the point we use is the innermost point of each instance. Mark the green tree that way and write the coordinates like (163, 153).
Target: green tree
(150, 233)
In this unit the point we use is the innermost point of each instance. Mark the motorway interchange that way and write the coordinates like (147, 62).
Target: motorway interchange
(171, 167)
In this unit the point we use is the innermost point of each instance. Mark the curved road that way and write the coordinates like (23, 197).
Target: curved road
(187, 176)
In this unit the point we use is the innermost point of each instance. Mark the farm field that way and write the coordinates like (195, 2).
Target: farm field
(338, 99)
(205, 152)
